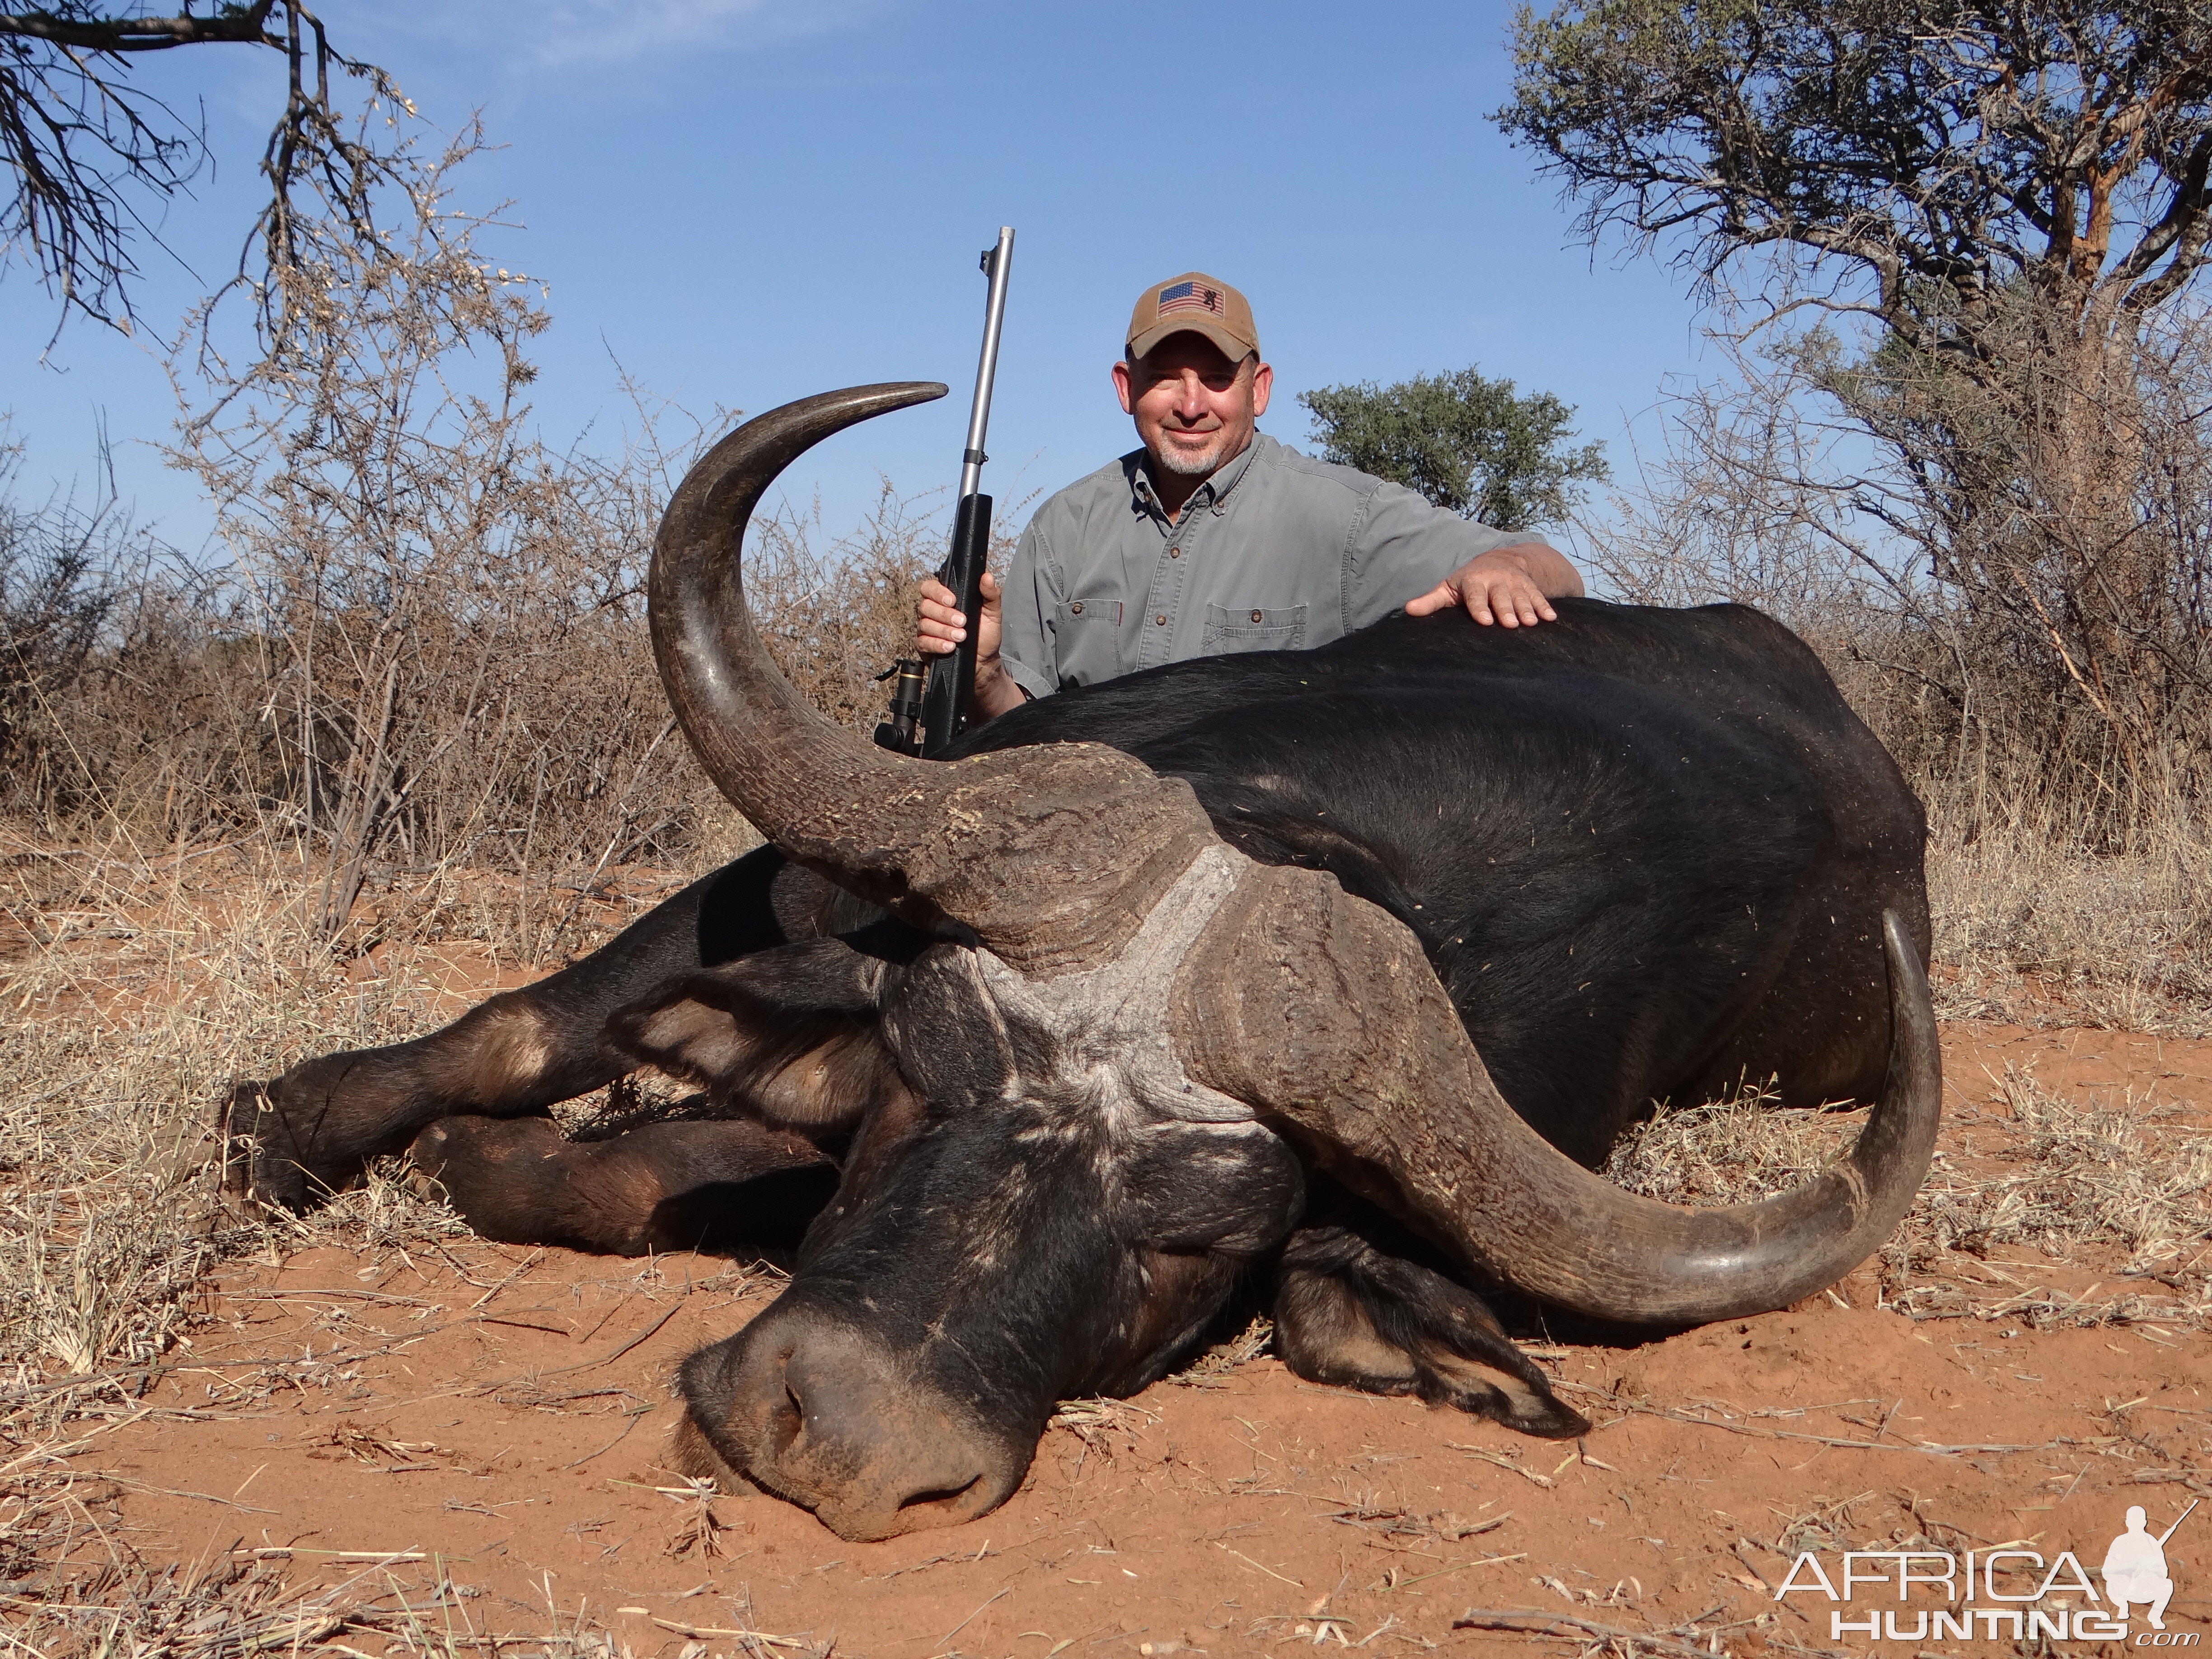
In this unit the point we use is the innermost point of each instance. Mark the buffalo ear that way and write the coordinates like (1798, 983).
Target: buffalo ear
(787, 1036)
(1349, 1313)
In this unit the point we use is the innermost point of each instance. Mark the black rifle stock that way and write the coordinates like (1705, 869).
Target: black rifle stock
(951, 691)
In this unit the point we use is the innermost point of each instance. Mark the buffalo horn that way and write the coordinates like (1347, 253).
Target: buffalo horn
(1320, 1010)
(1050, 856)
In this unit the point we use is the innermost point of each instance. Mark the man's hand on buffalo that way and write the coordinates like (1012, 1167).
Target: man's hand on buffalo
(943, 626)
(1511, 587)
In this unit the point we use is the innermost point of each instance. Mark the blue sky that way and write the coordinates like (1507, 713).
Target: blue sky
(742, 202)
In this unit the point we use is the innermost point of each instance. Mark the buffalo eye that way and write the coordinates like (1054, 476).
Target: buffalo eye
(1194, 1189)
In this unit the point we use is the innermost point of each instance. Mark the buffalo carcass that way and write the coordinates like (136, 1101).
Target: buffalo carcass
(1339, 969)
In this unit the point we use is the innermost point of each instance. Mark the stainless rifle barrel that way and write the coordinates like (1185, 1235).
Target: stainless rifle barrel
(1002, 260)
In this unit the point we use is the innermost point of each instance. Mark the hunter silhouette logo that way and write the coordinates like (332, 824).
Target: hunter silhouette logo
(2007, 1593)
(2135, 1567)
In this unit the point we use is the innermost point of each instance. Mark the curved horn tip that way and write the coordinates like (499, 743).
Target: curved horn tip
(1904, 954)
(892, 394)
(862, 402)
(726, 484)
(782, 434)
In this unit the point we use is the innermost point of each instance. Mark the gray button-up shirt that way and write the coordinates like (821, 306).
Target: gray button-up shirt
(1276, 552)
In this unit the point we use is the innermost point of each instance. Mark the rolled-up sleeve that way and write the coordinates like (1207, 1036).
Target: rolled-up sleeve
(1401, 546)
(1029, 597)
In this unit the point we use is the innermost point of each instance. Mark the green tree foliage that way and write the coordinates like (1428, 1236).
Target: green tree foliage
(1950, 150)
(1947, 147)
(1469, 444)
(1998, 205)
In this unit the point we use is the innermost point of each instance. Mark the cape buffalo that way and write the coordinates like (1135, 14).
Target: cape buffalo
(1338, 968)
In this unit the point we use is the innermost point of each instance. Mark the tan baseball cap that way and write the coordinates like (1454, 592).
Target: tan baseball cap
(1196, 303)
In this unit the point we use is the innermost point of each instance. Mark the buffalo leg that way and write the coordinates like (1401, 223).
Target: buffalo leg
(663, 1187)
(294, 1141)
(1355, 1306)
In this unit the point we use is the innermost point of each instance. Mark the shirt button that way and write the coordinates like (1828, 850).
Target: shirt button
(1255, 616)
(1175, 552)
(1162, 620)
(1075, 609)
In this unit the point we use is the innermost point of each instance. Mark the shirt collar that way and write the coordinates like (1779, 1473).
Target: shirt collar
(1214, 493)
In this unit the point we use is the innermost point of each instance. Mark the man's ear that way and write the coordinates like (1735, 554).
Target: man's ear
(1263, 382)
(1123, 389)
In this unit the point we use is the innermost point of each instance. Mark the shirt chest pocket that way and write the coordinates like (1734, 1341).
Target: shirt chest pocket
(1256, 628)
(1087, 635)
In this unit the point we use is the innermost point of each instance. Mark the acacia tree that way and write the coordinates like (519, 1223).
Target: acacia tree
(1995, 211)
(1950, 152)
(1470, 444)
(92, 151)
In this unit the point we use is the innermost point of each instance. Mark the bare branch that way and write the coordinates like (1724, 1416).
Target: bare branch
(72, 27)
(88, 147)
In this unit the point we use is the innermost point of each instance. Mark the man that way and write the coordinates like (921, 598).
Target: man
(1214, 538)
(2134, 1569)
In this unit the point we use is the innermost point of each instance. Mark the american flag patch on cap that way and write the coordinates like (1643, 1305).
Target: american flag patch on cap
(1190, 296)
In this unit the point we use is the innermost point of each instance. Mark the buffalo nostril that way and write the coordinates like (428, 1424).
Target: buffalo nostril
(787, 1422)
(946, 1496)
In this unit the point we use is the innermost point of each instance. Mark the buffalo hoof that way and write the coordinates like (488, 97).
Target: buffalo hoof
(262, 1161)
(501, 1174)
(663, 1187)
(1348, 1314)
(294, 1142)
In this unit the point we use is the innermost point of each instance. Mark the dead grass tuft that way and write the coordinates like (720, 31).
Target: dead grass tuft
(2123, 1191)
(137, 990)
(1109, 1429)
(144, 993)
(2086, 1175)
(1219, 1358)
(699, 1534)
(1739, 1147)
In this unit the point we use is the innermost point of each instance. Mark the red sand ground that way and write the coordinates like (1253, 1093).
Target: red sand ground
(499, 1417)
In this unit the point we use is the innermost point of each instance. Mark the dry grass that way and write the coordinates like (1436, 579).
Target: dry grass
(2124, 1192)
(1246, 1341)
(1740, 1146)
(72, 1585)
(2033, 931)
(2130, 1177)
(136, 989)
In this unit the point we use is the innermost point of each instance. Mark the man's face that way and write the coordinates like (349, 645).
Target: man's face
(1194, 408)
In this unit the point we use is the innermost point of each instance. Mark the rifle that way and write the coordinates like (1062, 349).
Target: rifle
(942, 708)
(2177, 1520)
